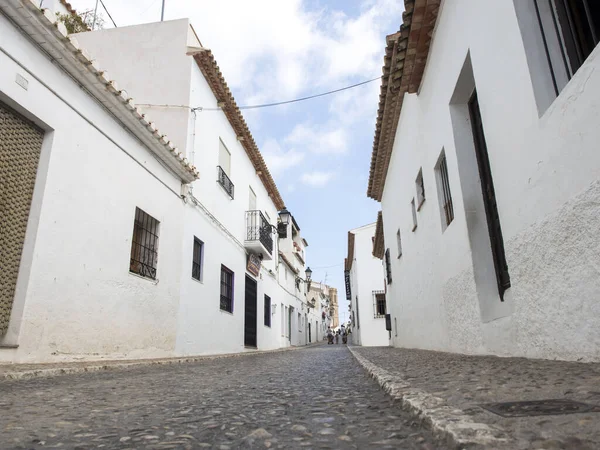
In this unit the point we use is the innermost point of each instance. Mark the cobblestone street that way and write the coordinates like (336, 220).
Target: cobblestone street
(318, 397)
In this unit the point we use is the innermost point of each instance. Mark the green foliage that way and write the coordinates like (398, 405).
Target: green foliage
(77, 23)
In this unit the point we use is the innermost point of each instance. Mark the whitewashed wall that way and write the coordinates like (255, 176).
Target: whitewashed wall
(75, 296)
(366, 277)
(546, 168)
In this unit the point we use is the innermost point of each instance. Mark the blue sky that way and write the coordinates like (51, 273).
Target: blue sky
(272, 50)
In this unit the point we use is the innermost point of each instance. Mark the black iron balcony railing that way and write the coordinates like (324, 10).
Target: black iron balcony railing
(258, 229)
(224, 181)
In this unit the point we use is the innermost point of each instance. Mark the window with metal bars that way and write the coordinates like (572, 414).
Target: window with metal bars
(414, 214)
(267, 311)
(388, 266)
(379, 304)
(420, 189)
(144, 245)
(445, 195)
(197, 259)
(570, 32)
(226, 289)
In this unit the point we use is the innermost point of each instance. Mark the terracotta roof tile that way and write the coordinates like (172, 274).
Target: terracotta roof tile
(207, 64)
(403, 66)
(378, 241)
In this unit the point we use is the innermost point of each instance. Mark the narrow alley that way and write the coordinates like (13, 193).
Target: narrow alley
(315, 397)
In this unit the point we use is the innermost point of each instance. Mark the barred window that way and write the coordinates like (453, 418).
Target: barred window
(144, 245)
(414, 214)
(388, 266)
(447, 208)
(197, 259)
(420, 189)
(226, 289)
(267, 311)
(379, 304)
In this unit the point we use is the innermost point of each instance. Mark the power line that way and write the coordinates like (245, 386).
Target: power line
(111, 19)
(327, 267)
(301, 99)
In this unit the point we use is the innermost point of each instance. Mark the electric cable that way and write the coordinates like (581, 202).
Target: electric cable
(301, 99)
(111, 19)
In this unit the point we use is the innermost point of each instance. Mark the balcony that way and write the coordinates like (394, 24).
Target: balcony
(225, 182)
(259, 234)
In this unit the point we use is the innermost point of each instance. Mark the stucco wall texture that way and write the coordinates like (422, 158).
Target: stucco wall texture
(546, 170)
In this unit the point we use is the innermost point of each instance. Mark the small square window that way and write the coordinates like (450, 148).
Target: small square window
(198, 259)
(420, 190)
(144, 245)
(414, 214)
(226, 289)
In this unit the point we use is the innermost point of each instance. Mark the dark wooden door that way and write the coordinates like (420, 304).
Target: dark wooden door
(489, 197)
(309, 335)
(250, 319)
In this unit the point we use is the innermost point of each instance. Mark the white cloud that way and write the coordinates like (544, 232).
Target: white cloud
(278, 160)
(317, 178)
(319, 139)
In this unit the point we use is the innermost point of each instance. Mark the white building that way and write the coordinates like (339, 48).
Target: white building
(365, 289)
(320, 296)
(487, 168)
(125, 238)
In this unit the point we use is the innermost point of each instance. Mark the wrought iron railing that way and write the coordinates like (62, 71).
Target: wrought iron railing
(224, 181)
(259, 229)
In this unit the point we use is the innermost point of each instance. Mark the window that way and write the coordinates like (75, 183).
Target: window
(570, 30)
(420, 190)
(379, 304)
(226, 289)
(197, 259)
(267, 311)
(251, 200)
(357, 314)
(224, 158)
(396, 327)
(224, 170)
(399, 242)
(144, 245)
(445, 197)
(299, 323)
(282, 320)
(414, 214)
(388, 266)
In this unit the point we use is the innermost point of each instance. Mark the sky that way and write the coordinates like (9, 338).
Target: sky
(318, 151)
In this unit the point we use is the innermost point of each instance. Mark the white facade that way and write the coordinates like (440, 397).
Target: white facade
(75, 297)
(366, 287)
(545, 165)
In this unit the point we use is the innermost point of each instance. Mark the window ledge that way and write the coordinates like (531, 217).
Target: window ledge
(420, 205)
(225, 312)
(150, 280)
(197, 280)
(414, 227)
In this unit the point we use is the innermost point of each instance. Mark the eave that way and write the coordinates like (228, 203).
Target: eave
(350, 257)
(404, 64)
(51, 36)
(379, 242)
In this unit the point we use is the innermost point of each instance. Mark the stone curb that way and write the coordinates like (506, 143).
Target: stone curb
(448, 424)
(97, 366)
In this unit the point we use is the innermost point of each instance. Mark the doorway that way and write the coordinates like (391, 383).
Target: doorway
(250, 319)
(309, 334)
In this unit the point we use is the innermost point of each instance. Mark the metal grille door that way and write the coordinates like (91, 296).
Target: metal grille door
(20, 147)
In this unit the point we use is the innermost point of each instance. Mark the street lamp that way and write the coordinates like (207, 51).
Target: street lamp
(308, 273)
(284, 220)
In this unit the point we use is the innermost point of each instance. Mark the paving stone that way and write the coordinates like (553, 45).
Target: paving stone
(318, 397)
(461, 383)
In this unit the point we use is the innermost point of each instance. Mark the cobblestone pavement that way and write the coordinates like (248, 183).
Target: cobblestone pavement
(464, 382)
(317, 397)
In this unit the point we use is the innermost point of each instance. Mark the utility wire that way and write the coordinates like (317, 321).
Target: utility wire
(111, 19)
(301, 99)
